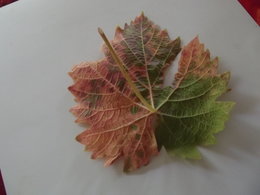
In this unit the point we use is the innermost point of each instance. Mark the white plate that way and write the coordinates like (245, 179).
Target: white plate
(39, 43)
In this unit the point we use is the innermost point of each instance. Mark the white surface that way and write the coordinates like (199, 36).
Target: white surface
(39, 43)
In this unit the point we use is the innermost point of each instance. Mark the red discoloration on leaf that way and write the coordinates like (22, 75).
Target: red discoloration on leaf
(195, 61)
(105, 105)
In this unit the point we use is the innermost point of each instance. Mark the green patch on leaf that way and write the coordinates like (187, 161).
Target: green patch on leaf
(134, 109)
(133, 127)
(137, 136)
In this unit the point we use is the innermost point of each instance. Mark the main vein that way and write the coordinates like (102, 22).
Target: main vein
(146, 65)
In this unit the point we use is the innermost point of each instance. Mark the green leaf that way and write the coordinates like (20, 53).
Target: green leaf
(190, 115)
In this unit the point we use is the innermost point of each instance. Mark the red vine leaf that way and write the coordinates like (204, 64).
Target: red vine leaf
(130, 114)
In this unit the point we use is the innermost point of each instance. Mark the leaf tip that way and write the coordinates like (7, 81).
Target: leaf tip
(78, 138)
(177, 41)
(226, 76)
(70, 74)
(195, 41)
(118, 31)
(86, 149)
(127, 165)
(70, 88)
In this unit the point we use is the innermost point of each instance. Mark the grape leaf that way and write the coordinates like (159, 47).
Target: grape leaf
(130, 114)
